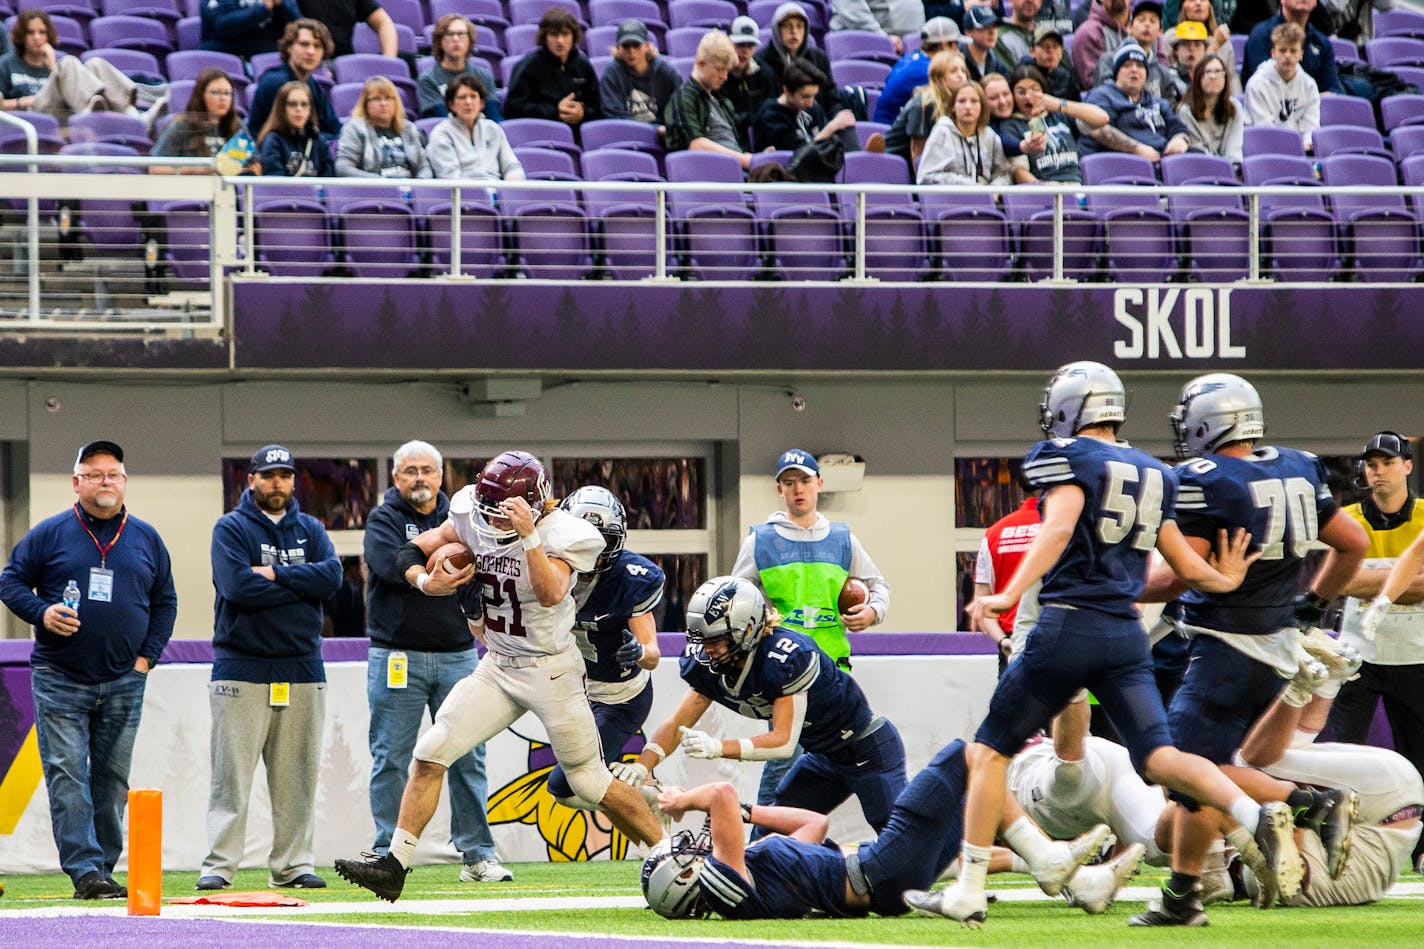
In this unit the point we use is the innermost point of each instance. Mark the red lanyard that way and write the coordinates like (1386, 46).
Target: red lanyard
(103, 548)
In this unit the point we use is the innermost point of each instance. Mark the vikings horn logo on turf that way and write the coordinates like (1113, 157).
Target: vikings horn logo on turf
(569, 835)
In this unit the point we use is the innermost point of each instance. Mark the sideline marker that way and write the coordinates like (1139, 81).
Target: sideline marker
(145, 851)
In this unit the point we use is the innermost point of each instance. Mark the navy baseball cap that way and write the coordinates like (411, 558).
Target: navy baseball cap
(980, 18)
(799, 460)
(269, 458)
(100, 447)
(1389, 444)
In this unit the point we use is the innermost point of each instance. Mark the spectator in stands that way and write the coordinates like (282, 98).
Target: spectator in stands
(1218, 36)
(981, 26)
(1047, 54)
(1048, 142)
(34, 79)
(1280, 92)
(700, 117)
(245, 27)
(749, 83)
(795, 117)
(1016, 33)
(207, 123)
(555, 81)
(893, 18)
(305, 46)
(1000, 98)
(341, 17)
(378, 142)
(789, 34)
(1251, 13)
(912, 126)
(453, 42)
(962, 149)
(1187, 43)
(913, 69)
(1104, 30)
(468, 144)
(1138, 122)
(1145, 29)
(1318, 56)
(639, 83)
(290, 140)
(1214, 124)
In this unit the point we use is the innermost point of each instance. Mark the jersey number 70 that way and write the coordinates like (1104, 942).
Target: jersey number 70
(1122, 511)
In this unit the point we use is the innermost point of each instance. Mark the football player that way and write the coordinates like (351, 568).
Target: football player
(1244, 643)
(738, 657)
(615, 631)
(1105, 506)
(526, 552)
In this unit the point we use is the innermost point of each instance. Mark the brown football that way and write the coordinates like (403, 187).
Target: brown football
(456, 556)
(854, 593)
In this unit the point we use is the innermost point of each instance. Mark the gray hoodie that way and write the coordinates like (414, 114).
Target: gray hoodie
(456, 152)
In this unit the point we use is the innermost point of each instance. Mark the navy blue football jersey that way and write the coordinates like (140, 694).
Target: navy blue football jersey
(1282, 497)
(631, 587)
(788, 879)
(785, 663)
(1127, 494)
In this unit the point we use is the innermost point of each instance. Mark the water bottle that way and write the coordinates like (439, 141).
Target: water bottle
(71, 596)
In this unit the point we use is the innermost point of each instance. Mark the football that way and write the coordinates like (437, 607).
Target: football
(854, 593)
(456, 556)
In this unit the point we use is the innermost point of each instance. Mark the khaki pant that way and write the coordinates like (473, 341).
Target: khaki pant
(73, 85)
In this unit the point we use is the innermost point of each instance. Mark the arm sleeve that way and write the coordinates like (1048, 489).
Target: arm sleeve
(383, 539)
(492, 110)
(1232, 145)
(798, 719)
(1087, 50)
(443, 160)
(1310, 115)
(593, 99)
(17, 583)
(745, 564)
(1261, 102)
(320, 576)
(350, 151)
(613, 93)
(431, 103)
(327, 119)
(935, 159)
(262, 105)
(1175, 126)
(999, 171)
(415, 154)
(162, 606)
(862, 566)
(983, 564)
(274, 155)
(233, 576)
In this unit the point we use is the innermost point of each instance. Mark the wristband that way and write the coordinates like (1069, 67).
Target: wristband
(747, 812)
(656, 749)
(422, 581)
(531, 542)
(744, 749)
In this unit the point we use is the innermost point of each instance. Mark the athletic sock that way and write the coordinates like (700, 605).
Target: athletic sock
(1300, 801)
(403, 846)
(1246, 812)
(974, 867)
(1019, 865)
(1180, 886)
(1028, 842)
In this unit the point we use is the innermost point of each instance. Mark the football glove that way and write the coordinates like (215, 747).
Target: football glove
(630, 773)
(1373, 615)
(629, 652)
(700, 744)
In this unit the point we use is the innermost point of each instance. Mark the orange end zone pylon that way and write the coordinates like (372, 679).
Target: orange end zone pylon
(145, 851)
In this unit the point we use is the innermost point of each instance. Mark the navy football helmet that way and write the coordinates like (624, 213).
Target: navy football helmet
(1081, 394)
(506, 475)
(1214, 410)
(727, 608)
(672, 875)
(604, 511)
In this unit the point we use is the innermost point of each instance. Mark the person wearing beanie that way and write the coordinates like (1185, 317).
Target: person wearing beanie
(791, 39)
(1138, 122)
(1145, 28)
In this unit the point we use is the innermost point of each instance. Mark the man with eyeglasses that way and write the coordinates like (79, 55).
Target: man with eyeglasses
(91, 660)
(421, 646)
(453, 43)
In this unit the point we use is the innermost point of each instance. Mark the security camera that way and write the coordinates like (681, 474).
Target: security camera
(798, 402)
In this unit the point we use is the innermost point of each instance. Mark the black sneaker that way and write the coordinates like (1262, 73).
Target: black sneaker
(95, 886)
(382, 875)
(212, 882)
(1331, 817)
(1172, 910)
(304, 881)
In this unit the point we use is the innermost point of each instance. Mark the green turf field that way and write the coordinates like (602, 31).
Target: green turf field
(1023, 925)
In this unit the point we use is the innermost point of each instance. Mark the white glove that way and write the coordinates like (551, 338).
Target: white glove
(630, 773)
(1374, 613)
(700, 744)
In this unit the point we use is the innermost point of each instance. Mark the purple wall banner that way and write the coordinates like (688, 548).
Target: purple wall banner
(433, 325)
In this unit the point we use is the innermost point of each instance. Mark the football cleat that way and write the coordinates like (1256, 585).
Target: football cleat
(1341, 659)
(1093, 888)
(1283, 867)
(953, 902)
(1331, 818)
(382, 875)
(1172, 910)
(1071, 855)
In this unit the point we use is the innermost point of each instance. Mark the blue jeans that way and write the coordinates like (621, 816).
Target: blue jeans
(395, 723)
(86, 741)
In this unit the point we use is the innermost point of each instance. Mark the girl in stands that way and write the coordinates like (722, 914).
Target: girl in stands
(906, 137)
(468, 145)
(378, 142)
(291, 143)
(207, 123)
(962, 149)
(1214, 124)
(1043, 125)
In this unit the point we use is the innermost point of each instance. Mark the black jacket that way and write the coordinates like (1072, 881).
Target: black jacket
(540, 81)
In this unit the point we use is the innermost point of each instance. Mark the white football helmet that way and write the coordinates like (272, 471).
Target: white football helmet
(508, 474)
(672, 873)
(603, 510)
(725, 608)
(1214, 410)
(1081, 394)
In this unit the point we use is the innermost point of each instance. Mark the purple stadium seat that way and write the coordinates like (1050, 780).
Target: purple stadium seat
(1394, 51)
(1101, 168)
(546, 164)
(116, 128)
(1030, 216)
(613, 12)
(126, 60)
(1138, 232)
(1399, 22)
(358, 67)
(345, 95)
(1238, 47)
(481, 234)
(550, 232)
(1352, 139)
(894, 226)
(82, 11)
(1406, 141)
(1413, 75)
(863, 130)
(969, 236)
(703, 13)
(46, 131)
(108, 225)
(261, 62)
(521, 38)
(1267, 140)
(624, 220)
(816, 14)
(1411, 173)
(861, 72)
(1346, 110)
(600, 65)
(683, 40)
(73, 38)
(1345, 51)
(189, 32)
(167, 12)
(187, 64)
(507, 65)
(1297, 233)
(540, 133)
(1379, 232)
(1214, 230)
(365, 40)
(802, 233)
(683, 65)
(486, 13)
(186, 245)
(376, 228)
(529, 11)
(407, 13)
(860, 44)
(717, 230)
(622, 134)
(131, 32)
(618, 164)
(1183, 168)
(1401, 110)
(293, 236)
(779, 156)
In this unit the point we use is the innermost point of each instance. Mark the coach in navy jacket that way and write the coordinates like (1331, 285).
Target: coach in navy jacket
(272, 567)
